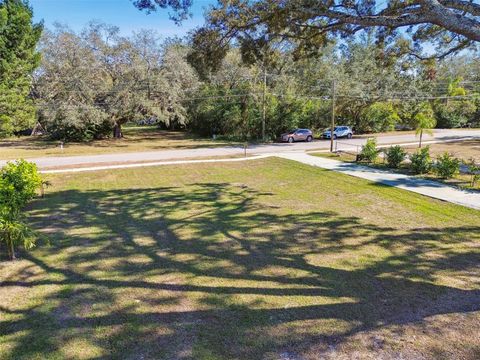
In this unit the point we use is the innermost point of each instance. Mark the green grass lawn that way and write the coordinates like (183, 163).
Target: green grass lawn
(267, 259)
(144, 138)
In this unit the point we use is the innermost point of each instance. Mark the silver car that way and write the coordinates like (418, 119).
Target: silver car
(338, 132)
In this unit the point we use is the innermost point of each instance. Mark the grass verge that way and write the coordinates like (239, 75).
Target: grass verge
(135, 139)
(260, 260)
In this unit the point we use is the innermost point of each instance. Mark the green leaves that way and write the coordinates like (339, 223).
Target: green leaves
(89, 85)
(18, 60)
(473, 171)
(369, 152)
(19, 182)
(424, 118)
(447, 166)
(421, 161)
(380, 116)
(395, 155)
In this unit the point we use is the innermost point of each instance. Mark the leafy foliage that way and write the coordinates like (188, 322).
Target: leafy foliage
(474, 171)
(450, 26)
(395, 155)
(369, 152)
(205, 41)
(230, 103)
(421, 161)
(18, 60)
(77, 123)
(180, 7)
(447, 166)
(94, 82)
(454, 114)
(380, 116)
(424, 121)
(19, 182)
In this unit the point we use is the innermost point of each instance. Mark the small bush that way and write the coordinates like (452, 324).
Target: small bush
(369, 151)
(473, 171)
(447, 166)
(421, 161)
(395, 156)
(75, 124)
(19, 182)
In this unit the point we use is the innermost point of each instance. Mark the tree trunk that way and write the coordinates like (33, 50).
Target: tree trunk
(11, 249)
(117, 131)
(420, 143)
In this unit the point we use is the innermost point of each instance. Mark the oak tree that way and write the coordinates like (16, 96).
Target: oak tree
(451, 25)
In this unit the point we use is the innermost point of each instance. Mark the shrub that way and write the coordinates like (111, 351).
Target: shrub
(454, 114)
(19, 182)
(473, 171)
(369, 151)
(447, 166)
(421, 161)
(395, 155)
(380, 116)
(75, 124)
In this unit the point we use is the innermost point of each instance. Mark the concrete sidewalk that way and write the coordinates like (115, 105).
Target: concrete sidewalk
(429, 188)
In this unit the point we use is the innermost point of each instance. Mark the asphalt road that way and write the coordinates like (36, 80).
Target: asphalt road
(342, 144)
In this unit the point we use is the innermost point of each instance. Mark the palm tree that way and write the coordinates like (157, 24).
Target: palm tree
(425, 122)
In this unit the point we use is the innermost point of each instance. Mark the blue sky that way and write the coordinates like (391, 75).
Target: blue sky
(122, 13)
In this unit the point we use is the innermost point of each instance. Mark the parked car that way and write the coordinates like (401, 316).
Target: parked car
(338, 132)
(297, 135)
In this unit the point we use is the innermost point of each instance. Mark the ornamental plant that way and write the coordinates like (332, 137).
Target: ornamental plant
(473, 171)
(369, 152)
(395, 155)
(447, 166)
(19, 182)
(421, 161)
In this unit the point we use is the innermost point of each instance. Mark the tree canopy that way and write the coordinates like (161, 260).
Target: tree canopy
(451, 25)
(18, 60)
(92, 83)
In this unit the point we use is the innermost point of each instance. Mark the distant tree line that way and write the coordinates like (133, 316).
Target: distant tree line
(376, 90)
(86, 85)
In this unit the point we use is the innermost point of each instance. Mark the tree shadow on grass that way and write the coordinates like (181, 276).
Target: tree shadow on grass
(220, 270)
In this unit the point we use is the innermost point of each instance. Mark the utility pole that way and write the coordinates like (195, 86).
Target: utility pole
(264, 109)
(333, 116)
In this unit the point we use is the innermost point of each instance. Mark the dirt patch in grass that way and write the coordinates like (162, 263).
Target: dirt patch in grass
(268, 259)
(464, 150)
